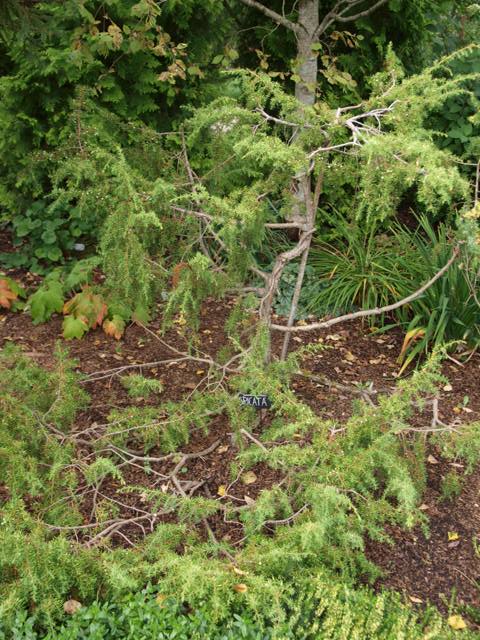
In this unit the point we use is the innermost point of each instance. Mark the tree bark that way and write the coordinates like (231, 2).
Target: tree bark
(307, 60)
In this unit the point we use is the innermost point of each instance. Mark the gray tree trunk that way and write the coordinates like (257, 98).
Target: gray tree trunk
(307, 60)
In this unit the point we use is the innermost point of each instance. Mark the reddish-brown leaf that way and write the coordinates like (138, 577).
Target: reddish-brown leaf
(7, 296)
(114, 327)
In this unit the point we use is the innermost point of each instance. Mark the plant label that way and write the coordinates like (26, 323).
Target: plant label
(259, 402)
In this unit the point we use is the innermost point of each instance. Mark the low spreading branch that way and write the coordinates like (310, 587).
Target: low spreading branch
(366, 313)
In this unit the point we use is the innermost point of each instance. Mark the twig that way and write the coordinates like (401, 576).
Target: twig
(253, 439)
(289, 519)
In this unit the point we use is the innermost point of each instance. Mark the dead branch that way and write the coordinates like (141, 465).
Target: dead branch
(108, 373)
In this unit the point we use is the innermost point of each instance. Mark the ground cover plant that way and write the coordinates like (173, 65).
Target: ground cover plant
(189, 222)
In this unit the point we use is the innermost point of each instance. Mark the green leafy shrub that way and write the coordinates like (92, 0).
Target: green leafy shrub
(321, 610)
(310, 291)
(44, 236)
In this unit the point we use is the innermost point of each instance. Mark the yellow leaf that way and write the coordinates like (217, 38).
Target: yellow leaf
(222, 490)
(432, 460)
(249, 478)
(410, 337)
(457, 622)
(240, 588)
(452, 536)
(160, 599)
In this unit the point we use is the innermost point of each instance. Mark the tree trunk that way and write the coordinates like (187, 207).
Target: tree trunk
(307, 60)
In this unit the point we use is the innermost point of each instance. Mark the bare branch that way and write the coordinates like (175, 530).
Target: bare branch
(337, 14)
(366, 313)
(361, 14)
(276, 17)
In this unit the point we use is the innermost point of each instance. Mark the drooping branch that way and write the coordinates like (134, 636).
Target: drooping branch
(366, 313)
(276, 17)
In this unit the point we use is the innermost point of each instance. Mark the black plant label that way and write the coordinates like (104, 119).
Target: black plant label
(258, 402)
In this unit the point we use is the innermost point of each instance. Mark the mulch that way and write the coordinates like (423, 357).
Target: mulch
(425, 568)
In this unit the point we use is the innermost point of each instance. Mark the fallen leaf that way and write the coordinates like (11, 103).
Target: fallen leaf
(452, 536)
(199, 372)
(415, 600)
(223, 449)
(448, 387)
(222, 490)
(240, 588)
(249, 477)
(457, 622)
(71, 606)
(248, 500)
(238, 571)
(423, 507)
(432, 460)
(350, 357)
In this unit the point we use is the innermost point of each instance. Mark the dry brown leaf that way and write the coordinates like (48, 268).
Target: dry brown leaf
(240, 588)
(432, 460)
(71, 606)
(415, 600)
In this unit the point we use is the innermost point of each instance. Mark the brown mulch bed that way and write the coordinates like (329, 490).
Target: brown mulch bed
(426, 569)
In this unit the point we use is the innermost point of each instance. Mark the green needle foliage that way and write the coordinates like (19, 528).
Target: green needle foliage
(341, 488)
